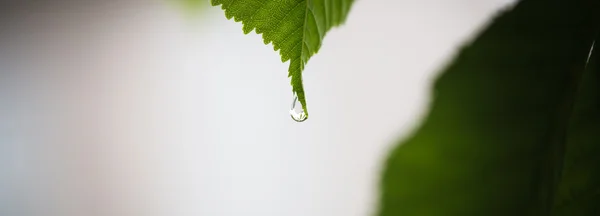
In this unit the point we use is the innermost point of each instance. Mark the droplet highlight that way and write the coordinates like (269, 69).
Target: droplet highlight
(297, 112)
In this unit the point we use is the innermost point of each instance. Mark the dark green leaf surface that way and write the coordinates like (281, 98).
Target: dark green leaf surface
(295, 27)
(494, 140)
(579, 191)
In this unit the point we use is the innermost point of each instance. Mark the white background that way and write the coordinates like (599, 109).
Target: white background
(130, 108)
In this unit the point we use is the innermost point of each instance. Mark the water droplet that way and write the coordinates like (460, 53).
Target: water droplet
(297, 112)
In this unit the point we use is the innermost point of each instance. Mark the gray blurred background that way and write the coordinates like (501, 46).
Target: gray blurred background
(146, 108)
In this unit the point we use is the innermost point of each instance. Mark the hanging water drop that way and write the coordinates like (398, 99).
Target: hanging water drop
(297, 112)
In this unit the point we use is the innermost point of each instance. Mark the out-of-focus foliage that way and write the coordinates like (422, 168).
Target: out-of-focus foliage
(295, 27)
(192, 7)
(194, 3)
(579, 190)
(508, 114)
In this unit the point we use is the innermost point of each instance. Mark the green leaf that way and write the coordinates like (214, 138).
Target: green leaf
(579, 190)
(192, 7)
(295, 27)
(494, 140)
(193, 4)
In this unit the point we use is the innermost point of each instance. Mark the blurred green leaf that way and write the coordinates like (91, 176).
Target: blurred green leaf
(579, 190)
(295, 27)
(192, 7)
(494, 141)
(194, 4)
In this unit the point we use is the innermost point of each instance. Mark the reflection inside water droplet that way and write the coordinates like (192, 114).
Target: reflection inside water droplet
(297, 112)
